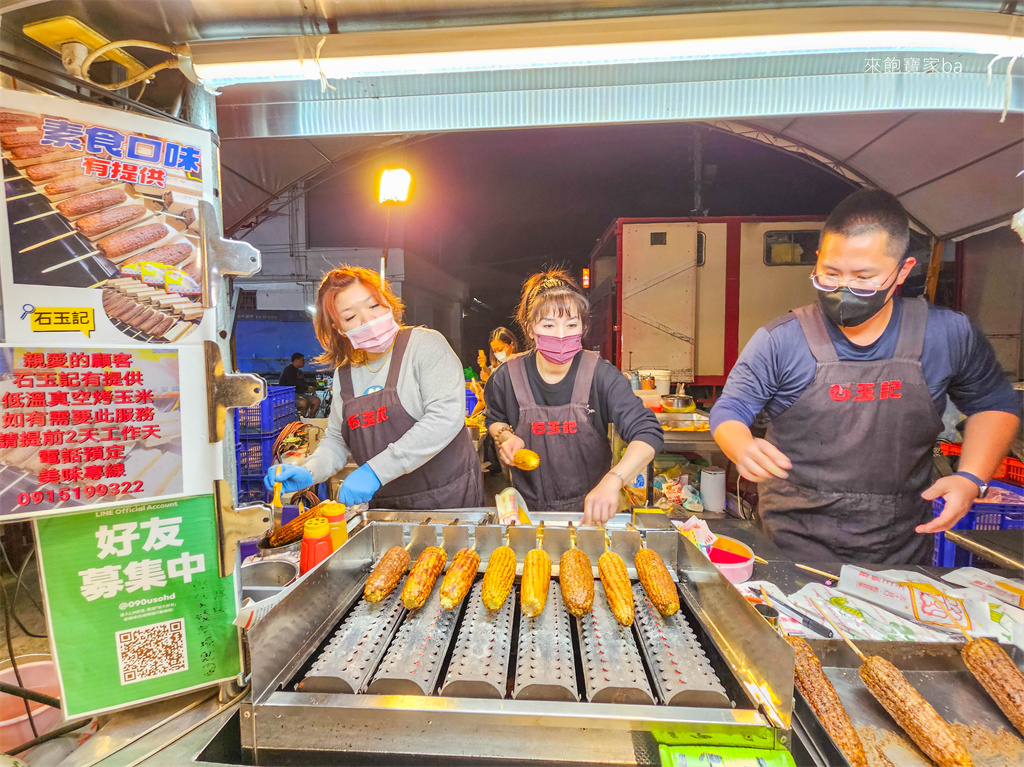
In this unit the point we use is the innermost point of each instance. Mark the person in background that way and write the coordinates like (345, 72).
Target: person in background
(854, 387)
(558, 401)
(398, 405)
(306, 402)
(504, 344)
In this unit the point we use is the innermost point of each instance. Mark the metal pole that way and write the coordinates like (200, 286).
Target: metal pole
(387, 236)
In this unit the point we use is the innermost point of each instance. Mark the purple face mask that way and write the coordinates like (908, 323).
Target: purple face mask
(557, 350)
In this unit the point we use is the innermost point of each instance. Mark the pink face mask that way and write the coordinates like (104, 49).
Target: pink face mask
(375, 336)
(557, 350)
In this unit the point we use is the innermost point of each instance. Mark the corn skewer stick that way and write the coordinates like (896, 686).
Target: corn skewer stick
(759, 560)
(822, 573)
(839, 631)
(424, 522)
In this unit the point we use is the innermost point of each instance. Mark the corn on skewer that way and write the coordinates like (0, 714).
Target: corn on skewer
(656, 580)
(500, 575)
(576, 578)
(915, 716)
(388, 572)
(533, 590)
(459, 578)
(617, 588)
(995, 671)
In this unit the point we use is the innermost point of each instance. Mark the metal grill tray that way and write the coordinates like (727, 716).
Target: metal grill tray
(613, 671)
(479, 665)
(545, 665)
(682, 674)
(352, 653)
(413, 662)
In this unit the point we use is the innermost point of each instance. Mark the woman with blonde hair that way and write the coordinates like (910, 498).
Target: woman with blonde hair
(558, 400)
(398, 408)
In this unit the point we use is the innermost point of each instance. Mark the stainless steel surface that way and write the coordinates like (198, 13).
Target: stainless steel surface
(225, 390)
(545, 666)
(676, 401)
(612, 669)
(479, 665)
(413, 663)
(1003, 548)
(939, 674)
(762, 660)
(352, 654)
(538, 709)
(682, 674)
(221, 257)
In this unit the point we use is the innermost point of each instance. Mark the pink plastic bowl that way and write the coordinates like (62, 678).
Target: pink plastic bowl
(733, 559)
(40, 676)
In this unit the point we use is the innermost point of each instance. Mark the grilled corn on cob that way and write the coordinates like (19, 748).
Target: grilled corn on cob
(386, 575)
(499, 577)
(291, 532)
(459, 578)
(657, 582)
(533, 591)
(616, 586)
(525, 460)
(576, 577)
(821, 696)
(999, 675)
(421, 580)
(913, 713)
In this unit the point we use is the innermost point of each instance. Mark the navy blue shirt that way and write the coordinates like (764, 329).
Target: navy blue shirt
(776, 366)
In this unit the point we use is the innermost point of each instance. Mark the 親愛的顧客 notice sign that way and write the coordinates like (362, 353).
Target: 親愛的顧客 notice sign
(135, 605)
(86, 427)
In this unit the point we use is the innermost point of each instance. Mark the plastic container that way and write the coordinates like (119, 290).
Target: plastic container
(1010, 470)
(268, 416)
(255, 455)
(650, 398)
(982, 516)
(733, 559)
(40, 676)
(470, 401)
(334, 513)
(662, 379)
(316, 544)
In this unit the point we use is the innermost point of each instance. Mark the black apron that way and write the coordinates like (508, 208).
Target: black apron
(860, 439)
(574, 456)
(371, 422)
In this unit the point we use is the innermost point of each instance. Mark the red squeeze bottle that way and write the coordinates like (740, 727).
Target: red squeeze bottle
(316, 544)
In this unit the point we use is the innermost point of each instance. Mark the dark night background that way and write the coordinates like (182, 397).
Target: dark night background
(490, 208)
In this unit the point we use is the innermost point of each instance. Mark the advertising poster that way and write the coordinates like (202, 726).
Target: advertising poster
(135, 606)
(100, 229)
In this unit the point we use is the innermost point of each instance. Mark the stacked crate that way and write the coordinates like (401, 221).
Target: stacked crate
(256, 429)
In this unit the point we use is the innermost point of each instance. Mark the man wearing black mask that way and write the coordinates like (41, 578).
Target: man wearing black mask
(853, 388)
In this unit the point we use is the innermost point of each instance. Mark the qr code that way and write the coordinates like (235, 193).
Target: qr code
(151, 651)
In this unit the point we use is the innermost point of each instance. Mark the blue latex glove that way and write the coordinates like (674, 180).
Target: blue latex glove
(292, 478)
(359, 486)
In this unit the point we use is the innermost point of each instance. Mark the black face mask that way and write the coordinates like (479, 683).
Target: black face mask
(847, 310)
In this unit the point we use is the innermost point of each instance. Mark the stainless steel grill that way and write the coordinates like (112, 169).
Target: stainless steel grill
(469, 682)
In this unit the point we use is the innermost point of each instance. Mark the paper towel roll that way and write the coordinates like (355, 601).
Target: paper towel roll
(712, 489)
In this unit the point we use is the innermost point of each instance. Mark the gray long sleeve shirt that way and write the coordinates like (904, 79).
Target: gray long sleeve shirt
(432, 390)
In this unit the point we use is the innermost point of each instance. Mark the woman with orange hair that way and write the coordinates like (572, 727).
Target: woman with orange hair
(399, 404)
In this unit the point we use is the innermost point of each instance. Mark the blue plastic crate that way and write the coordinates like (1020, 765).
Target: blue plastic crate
(251, 490)
(269, 416)
(255, 454)
(470, 401)
(982, 516)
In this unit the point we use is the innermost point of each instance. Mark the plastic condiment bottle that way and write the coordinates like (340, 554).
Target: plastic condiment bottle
(334, 513)
(316, 544)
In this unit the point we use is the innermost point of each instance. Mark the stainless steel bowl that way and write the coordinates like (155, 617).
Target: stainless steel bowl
(264, 578)
(677, 401)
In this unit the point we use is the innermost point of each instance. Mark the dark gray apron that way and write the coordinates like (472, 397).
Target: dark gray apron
(371, 422)
(860, 439)
(574, 456)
